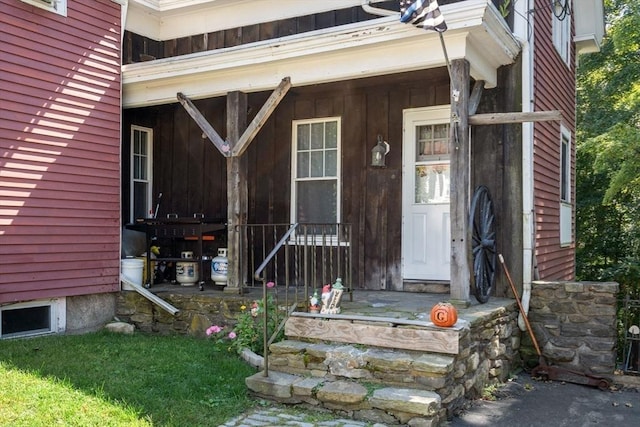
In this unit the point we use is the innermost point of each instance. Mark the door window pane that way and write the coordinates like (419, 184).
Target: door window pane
(432, 142)
(432, 183)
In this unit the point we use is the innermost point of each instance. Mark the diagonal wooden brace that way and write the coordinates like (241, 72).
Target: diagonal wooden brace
(262, 116)
(221, 145)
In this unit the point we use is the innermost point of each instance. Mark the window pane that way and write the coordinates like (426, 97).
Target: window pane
(331, 135)
(303, 137)
(140, 199)
(303, 165)
(317, 166)
(331, 163)
(441, 131)
(564, 172)
(432, 142)
(317, 136)
(432, 183)
(143, 167)
(424, 132)
(317, 201)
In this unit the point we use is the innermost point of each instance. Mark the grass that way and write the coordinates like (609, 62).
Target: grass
(106, 379)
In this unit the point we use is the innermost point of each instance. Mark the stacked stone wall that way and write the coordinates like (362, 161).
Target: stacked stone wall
(574, 324)
(197, 312)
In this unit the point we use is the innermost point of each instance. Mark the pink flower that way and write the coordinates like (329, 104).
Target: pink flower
(232, 335)
(214, 329)
(270, 284)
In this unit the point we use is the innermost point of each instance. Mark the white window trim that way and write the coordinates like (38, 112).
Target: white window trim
(57, 313)
(561, 31)
(316, 240)
(566, 206)
(149, 131)
(55, 6)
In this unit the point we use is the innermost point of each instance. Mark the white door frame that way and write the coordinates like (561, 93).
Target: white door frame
(426, 227)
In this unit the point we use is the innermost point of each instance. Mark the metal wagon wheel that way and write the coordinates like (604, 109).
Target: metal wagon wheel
(483, 245)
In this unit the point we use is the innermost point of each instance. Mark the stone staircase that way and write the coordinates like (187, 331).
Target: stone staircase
(388, 370)
(367, 383)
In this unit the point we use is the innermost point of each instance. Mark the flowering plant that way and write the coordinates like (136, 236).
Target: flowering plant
(218, 334)
(249, 328)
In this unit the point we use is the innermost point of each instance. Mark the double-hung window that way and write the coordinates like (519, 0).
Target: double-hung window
(316, 171)
(565, 188)
(141, 172)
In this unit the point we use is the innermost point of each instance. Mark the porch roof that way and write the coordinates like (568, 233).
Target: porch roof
(476, 32)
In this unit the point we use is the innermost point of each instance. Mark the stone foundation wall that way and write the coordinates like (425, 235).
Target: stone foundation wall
(197, 312)
(574, 324)
(492, 351)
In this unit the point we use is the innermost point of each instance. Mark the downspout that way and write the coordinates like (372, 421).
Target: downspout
(522, 27)
(127, 284)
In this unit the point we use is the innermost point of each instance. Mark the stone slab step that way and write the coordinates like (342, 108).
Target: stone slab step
(379, 331)
(397, 405)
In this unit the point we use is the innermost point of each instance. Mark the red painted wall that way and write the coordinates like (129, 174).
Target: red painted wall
(554, 89)
(59, 150)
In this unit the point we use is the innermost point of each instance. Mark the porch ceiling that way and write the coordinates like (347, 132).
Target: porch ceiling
(476, 32)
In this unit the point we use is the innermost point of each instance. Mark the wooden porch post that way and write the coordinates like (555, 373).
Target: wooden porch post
(236, 189)
(460, 181)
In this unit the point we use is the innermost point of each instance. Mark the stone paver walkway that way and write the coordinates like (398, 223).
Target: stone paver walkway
(276, 417)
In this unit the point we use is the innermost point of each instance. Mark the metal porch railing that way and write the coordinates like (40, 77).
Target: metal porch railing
(298, 259)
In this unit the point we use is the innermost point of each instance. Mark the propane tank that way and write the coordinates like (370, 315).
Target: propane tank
(219, 267)
(187, 271)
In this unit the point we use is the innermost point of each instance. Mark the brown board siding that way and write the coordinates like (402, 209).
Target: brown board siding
(371, 198)
(554, 90)
(59, 150)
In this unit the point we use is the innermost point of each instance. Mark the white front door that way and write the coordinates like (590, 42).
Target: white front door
(426, 230)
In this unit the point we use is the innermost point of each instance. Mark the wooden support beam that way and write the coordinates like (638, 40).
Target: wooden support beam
(262, 116)
(505, 118)
(461, 277)
(209, 131)
(476, 95)
(237, 193)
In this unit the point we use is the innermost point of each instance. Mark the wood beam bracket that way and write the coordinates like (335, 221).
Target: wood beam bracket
(209, 131)
(237, 149)
(260, 119)
(476, 95)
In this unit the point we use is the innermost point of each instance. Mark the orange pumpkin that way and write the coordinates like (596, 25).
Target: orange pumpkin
(444, 314)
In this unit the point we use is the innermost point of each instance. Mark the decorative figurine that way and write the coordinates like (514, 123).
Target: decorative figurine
(331, 296)
(314, 301)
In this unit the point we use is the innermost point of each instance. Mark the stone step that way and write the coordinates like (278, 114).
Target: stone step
(390, 405)
(429, 371)
(396, 333)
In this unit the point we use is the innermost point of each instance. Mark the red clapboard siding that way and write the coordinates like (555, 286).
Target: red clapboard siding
(554, 89)
(59, 150)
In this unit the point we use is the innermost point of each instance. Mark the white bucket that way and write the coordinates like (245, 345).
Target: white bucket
(132, 269)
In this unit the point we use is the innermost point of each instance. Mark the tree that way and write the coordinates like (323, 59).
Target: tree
(608, 152)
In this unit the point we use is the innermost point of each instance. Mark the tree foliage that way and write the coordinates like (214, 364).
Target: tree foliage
(608, 155)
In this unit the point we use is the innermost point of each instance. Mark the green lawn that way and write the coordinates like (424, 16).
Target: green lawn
(105, 379)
